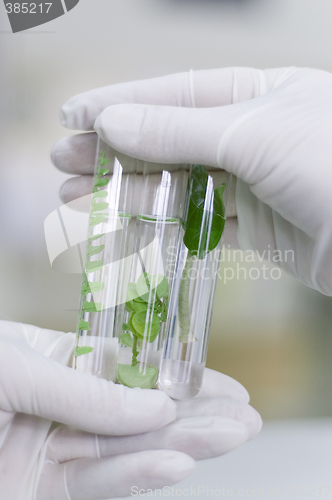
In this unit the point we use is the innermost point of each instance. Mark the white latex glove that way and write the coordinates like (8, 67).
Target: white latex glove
(140, 442)
(270, 128)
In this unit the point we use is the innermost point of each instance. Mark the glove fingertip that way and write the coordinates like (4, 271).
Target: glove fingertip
(78, 114)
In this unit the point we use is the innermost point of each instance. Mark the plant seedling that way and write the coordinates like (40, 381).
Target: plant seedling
(203, 227)
(147, 302)
(89, 287)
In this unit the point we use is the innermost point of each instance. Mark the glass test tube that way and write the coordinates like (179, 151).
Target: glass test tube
(128, 274)
(191, 300)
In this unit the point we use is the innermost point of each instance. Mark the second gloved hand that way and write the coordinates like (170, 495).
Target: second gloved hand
(144, 438)
(211, 424)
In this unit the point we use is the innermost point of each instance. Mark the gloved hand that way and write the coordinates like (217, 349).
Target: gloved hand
(141, 442)
(269, 128)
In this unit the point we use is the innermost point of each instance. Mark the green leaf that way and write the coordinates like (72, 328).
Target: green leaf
(127, 339)
(131, 291)
(130, 323)
(218, 206)
(98, 207)
(147, 330)
(98, 219)
(143, 376)
(96, 237)
(162, 287)
(157, 283)
(203, 228)
(163, 314)
(99, 194)
(82, 350)
(143, 286)
(137, 306)
(92, 306)
(83, 325)
(92, 287)
(196, 191)
(140, 299)
(155, 219)
(103, 162)
(125, 327)
(85, 289)
(93, 250)
(93, 266)
(101, 182)
(96, 286)
(158, 306)
(203, 233)
(128, 307)
(102, 171)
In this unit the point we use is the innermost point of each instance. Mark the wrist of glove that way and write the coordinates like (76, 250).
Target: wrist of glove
(66, 435)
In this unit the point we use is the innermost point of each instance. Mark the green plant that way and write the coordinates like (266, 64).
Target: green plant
(93, 266)
(146, 303)
(203, 224)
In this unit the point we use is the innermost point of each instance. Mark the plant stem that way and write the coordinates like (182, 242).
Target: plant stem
(80, 316)
(135, 352)
(186, 351)
(183, 303)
